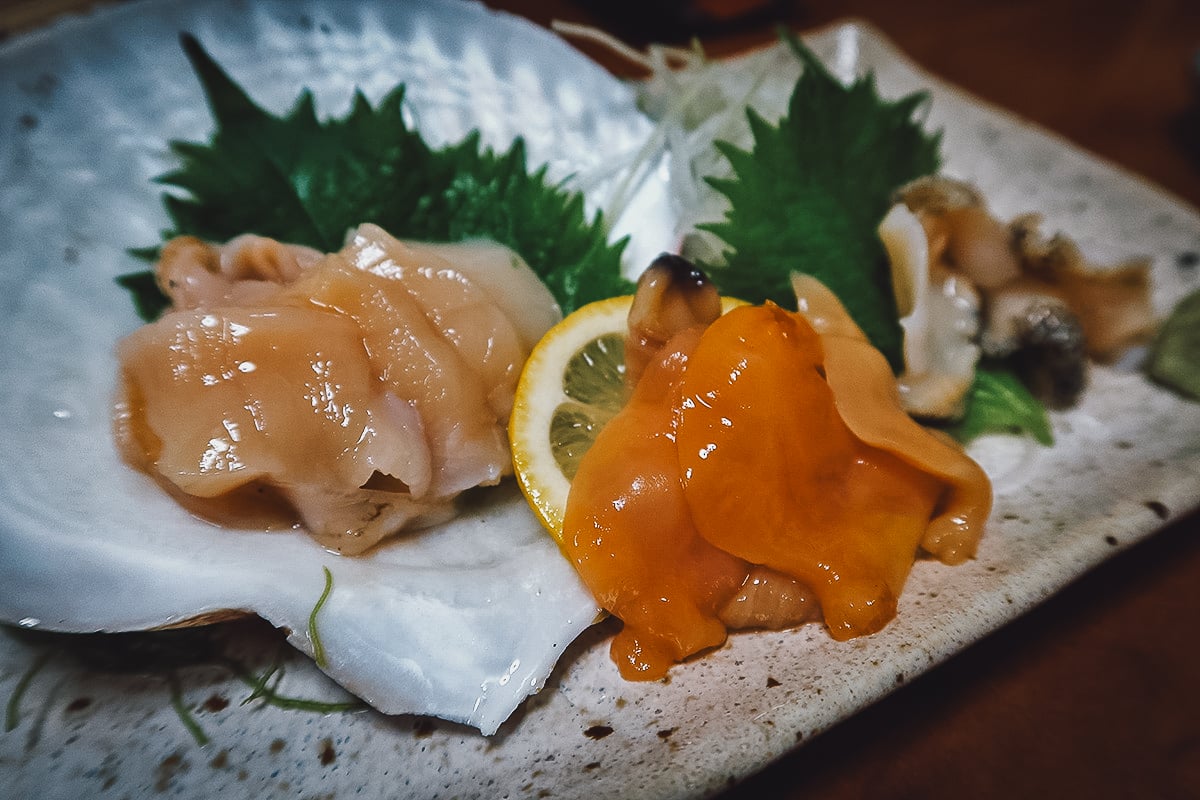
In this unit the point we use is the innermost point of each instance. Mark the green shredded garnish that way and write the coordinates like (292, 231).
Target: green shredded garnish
(184, 713)
(259, 683)
(272, 697)
(810, 194)
(313, 635)
(261, 689)
(12, 712)
(305, 181)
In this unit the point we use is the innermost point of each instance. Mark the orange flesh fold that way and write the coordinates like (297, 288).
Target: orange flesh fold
(742, 449)
(630, 532)
(668, 586)
(866, 395)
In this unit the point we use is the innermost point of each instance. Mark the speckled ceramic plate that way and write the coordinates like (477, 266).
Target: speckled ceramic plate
(125, 715)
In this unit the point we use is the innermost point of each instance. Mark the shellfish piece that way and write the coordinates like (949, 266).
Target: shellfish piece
(672, 295)
(360, 390)
(1031, 324)
(463, 314)
(939, 314)
(213, 402)
(770, 600)
(508, 280)
(628, 529)
(247, 269)
(775, 476)
(1113, 302)
(868, 402)
(466, 439)
(763, 474)
(1046, 306)
(961, 231)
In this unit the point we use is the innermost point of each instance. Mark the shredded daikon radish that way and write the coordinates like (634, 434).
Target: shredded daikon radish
(695, 102)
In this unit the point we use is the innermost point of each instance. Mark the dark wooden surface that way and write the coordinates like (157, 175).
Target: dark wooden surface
(1097, 692)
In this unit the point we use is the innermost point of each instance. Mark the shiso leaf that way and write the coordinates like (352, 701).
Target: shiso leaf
(302, 180)
(811, 192)
(143, 289)
(1000, 403)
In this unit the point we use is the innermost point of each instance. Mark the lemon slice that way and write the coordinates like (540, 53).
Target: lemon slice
(571, 386)
(573, 383)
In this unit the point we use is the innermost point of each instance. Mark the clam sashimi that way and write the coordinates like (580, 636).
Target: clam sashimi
(460, 311)
(762, 474)
(970, 286)
(359, 391)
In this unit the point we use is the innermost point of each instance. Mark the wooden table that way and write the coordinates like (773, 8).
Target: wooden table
(1094, 694)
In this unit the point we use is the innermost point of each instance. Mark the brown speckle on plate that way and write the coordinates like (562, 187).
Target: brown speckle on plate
(168, 768)
(216, 703)
(79, 704)
(1160, 510)
(597, 731)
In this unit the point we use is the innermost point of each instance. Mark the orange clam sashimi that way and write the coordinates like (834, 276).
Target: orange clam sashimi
(628, 529)
(755, 450)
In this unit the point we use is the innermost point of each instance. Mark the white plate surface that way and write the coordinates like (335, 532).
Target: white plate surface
(1126, 453)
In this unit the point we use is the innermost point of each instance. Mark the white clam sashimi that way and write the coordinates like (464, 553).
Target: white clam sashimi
(506, 278)
(466, 315)
(939, 314)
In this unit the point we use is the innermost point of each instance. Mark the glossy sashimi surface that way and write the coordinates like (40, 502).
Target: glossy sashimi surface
(464, 314)
(630, 532)
(364, 388)
(774, 475)
(734, 470)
